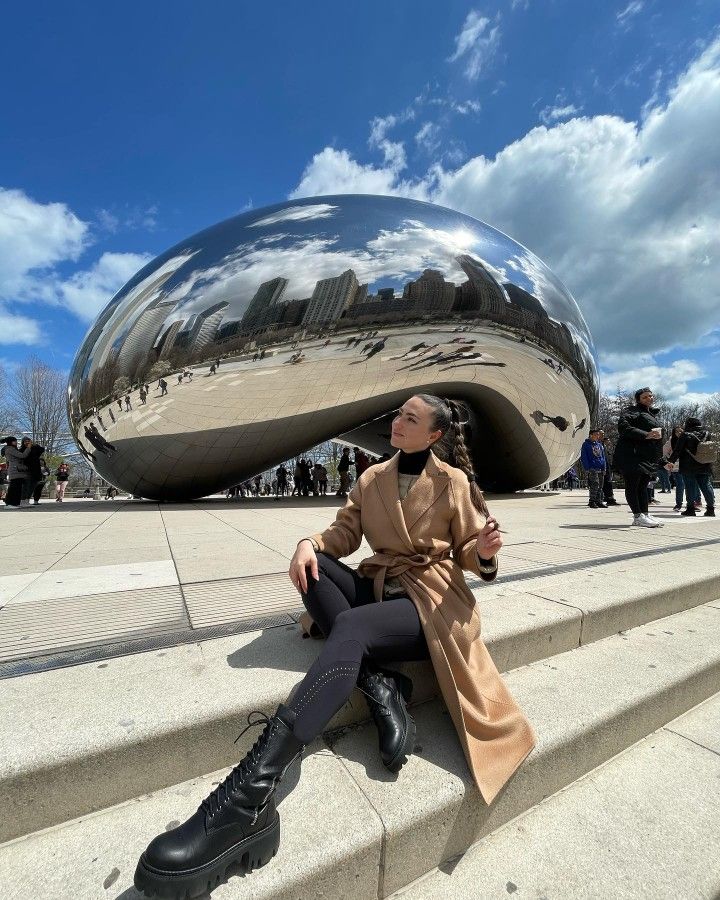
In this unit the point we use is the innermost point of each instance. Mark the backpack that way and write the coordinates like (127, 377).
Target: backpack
(706, 451)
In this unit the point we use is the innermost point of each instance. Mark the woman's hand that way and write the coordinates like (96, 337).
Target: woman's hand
(489, 540)
(655, 434)
(303, 558)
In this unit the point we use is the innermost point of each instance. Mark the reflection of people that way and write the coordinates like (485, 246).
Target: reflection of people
(419, 553)
(344, 473)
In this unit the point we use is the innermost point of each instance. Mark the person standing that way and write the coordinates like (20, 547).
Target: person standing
(17, 473)
(162, 384)
(282, 475)
(40, 485)
(143, 396)
(3, 480)
(344, 473)
(128, 404)
(638, 454)
(607, 485)
(673, 469)
(592, 456)
(61, 479)
(695, 470)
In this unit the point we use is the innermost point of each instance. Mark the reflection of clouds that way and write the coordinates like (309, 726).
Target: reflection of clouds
(296, 214)
(398, 254)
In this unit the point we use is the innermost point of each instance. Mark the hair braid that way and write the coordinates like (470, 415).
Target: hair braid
(450, 417)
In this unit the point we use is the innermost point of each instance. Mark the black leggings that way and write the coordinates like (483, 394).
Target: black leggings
(636, 492)
(356, 627)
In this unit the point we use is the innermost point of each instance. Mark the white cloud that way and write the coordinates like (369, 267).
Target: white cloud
(428, 137)
(393, 151)
(35, 240)
(34, 237)
(551, 114)
(16, 329)
(631, 10)
(671, 381)
(627, 213)
(296, 214)
(477, 44)
(86, 292)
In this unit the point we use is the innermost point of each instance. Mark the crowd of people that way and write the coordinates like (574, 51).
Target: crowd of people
(646, 457)
(307, 478)
(24, 474)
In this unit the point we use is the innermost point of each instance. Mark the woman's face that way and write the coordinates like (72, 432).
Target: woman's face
(646, 398)
(678, 430)
(412, 427)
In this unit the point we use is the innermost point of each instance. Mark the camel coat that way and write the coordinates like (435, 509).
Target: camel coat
(426, 540)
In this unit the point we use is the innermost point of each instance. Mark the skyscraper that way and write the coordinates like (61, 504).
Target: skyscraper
(141, 337)
(268, 294)
(481, 293)
(431, 292)
(331, 298)
(207, 326)
(166, 341)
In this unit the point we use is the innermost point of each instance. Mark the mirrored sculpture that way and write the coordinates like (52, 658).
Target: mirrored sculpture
(256, 339)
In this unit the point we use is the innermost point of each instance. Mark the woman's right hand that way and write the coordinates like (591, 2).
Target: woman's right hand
(655, 434)
(303, 558)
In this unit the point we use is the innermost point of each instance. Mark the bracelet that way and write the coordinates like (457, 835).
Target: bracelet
(315, 545)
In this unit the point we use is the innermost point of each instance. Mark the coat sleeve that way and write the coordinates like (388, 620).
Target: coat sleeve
(465, 526)
(344, 536)
(679, 447)
(628, 430)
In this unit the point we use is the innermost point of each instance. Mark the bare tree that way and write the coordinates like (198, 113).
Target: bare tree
(40, 402)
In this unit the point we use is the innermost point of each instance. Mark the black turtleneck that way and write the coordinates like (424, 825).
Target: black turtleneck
(413, 463)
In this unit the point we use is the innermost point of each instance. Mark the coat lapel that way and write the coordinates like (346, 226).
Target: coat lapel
(387, 482)
(430, 486)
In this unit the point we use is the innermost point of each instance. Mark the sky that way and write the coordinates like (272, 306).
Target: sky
(589, 132)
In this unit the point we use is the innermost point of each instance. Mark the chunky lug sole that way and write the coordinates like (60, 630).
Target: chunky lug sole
(405, 750)
(252, 853)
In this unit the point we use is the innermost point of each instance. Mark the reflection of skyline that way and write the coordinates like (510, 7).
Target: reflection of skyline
(322, 265)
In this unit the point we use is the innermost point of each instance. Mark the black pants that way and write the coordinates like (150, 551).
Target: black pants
(14, 495)
(356, 627)
(636, 491)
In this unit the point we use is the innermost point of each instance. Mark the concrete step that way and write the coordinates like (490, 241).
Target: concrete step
(645, 824)
(352, 830)
(103, 733)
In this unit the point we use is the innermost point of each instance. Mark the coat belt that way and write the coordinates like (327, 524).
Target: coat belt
(380, 566)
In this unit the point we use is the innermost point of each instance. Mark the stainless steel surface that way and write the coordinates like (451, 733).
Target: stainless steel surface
(357, 302)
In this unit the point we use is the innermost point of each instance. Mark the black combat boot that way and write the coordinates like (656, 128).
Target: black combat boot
(387, 694)
(237, 823)
(710, 511)
(690, 511)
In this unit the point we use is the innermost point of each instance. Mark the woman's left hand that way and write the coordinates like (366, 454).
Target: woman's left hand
(489, 540)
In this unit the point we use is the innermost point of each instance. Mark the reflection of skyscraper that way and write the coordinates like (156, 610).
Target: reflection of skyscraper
(166, 342)
(482, 293)
(140, 338)
(268, 294)
(361, 294)
(431, 292)
(525, 300)
(207, 326)
(331, 298)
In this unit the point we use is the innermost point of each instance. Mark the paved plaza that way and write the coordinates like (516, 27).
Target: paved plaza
(93, 579)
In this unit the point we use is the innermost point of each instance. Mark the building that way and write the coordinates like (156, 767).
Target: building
(431, 292)
(267, 295)
(165, 343)
(481, 293)
(141, 337)
(208, 327)
(330, 299)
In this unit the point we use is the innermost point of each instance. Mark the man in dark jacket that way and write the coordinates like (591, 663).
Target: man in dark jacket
(696, 474)
(34, 463)
(592, 456)
(638, 454)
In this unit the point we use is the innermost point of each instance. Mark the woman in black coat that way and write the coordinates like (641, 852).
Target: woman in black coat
(697, 475)
(638, 454)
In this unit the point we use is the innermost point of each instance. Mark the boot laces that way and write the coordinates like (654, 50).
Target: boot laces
(235, 777)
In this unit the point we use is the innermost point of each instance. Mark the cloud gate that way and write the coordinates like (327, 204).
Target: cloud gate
(262, 336)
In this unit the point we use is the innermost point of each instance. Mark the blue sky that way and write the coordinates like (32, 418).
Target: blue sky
(589, 132)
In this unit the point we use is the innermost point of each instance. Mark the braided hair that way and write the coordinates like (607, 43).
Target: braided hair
(450, 417)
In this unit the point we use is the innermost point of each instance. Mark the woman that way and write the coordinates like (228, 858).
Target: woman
(638, 454)
(674, 468)
(61, 479)
(35, 465)
(425, 521)
(697, 475)
(17, 473)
